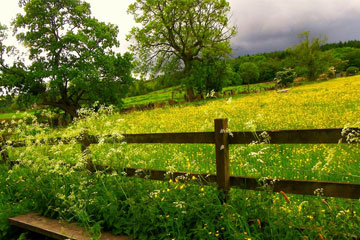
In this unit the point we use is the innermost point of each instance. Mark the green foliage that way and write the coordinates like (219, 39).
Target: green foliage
(235, 78)
(308, 59)
(347, 44)
(350, 71)
(285, 77)
(72, 61)
(181, 30)
(249, 72)
(170, 79)
(350, 57)
(267, 63)
(207, 75)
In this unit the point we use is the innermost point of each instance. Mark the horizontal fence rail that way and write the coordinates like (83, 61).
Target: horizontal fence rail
(305, 136)
(302, 187)
(221, 138)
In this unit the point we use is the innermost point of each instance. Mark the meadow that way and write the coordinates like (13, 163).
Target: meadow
(177, 93)
(53, 180)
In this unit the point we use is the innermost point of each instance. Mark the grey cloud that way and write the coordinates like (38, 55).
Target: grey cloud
(269, 25)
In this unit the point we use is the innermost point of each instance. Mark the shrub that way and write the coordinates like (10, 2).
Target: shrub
(285, 77)
(350, 71)
(331, 72)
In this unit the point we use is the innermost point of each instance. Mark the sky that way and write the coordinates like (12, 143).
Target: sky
(263, 25)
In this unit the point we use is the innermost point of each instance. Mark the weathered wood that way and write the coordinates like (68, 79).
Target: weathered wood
(176, 138)
(222, 154)
(307, 136)
(56, 229)
(301, 187)
(179, 138)
(161, 175)
(3, 152)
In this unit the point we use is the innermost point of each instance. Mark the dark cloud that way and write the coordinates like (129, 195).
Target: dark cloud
(269, 25)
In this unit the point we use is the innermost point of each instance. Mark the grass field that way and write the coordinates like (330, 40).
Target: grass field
(15, 115)
(46, 181)
(165, 94)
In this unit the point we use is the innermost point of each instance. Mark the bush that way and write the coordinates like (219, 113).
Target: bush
(331, 72)
(285, 77)
(350, 71)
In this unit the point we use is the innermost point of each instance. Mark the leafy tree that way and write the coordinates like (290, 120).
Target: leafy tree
(9, 73)
(350, 55)
(3, 49)
(181, 29)
(249, 72)
(73, 63)
(208, 74)
(309, 60)
(234, 78)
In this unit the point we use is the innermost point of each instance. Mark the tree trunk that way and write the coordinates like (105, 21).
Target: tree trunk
(190, 93)
(67, 108)
(189, 89)
(71, 110)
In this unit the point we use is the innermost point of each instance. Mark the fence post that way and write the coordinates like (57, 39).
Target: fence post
(222, 156)
(4, 154)
(85, 149)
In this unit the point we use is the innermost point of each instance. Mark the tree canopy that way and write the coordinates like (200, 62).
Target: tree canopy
(309, 59)
(249, 72)
(181, 29)
(71, 54)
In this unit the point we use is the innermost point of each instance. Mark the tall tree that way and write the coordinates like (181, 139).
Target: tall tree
(13, 73)
(71, 54)
(309, 59)
(184, 29)
(249, 72)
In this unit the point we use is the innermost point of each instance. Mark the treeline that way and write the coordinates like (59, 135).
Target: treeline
(350, 44)
(327, 59)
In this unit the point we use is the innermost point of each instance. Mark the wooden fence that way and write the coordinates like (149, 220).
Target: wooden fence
(222, 138)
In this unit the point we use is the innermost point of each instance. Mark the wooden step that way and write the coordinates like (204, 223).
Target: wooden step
(56, 229)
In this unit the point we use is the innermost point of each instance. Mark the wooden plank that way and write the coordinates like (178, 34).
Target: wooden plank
(176, 138)
(302, 187)
(161, 175)
(56, 229)
(180, 138)
(307, 136)
(222, 154)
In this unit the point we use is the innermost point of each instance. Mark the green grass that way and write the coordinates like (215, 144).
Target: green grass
(15, 114)
(157, 96)
(46, 182)
(165, 94)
